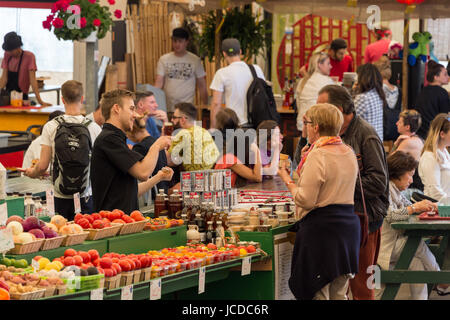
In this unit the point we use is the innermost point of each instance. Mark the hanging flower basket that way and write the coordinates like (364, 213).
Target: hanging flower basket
(80, 19)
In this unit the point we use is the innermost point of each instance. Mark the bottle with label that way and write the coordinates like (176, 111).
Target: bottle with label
(175, 205)
(220, 232)
(160, 203)
(210, 233)
(38, 206)
(44, 208)
(29, 205)
(201, 227)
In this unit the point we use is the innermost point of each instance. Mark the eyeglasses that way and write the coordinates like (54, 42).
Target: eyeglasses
(306, 122)
(175, 117)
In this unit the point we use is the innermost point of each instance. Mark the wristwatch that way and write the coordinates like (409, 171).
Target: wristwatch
(413, 209)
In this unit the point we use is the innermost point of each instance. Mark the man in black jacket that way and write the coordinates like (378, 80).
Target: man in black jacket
(362, 137)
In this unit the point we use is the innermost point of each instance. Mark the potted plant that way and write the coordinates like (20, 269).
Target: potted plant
(80, 19)
(253, 35)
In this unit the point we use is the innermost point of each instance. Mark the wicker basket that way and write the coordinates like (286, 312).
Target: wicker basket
(137, 276)
(49, 291)
(126, 278)
(60, 290)
(34, 295)
(112, 282)
(96, 234)
(145, 274)
(73, 239)
(133, 227)
(52, 243)
(30, 247)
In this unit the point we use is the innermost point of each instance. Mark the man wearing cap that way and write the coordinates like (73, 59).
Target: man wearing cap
(180, 71)
(19, 68)
(233, 81)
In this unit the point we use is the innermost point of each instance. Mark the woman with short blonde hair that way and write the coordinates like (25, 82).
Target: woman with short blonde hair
(326, 249)
(434, 164)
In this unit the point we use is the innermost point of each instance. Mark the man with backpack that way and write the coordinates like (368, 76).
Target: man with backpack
(67, 143)
(245, 93)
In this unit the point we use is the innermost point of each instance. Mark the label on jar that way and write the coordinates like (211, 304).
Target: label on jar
(199, 184)
(226, 202)
(218, 200)
(186, 183)
(207, 197)
(220, 180)
(206, 180)
(227, 182)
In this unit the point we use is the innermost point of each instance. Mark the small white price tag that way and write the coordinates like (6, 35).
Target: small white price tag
(50, 197)
(97, 294)
(76, 202)
(127, 293)
(155, 289)
(3, 213)
(6, 240)
(35, 265)
(246, 266)
(201, 280)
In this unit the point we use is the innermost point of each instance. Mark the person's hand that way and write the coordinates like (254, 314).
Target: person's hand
(160, 115)
(29, 172)
(164, 142)
(400, 139)
(165, 174)
(424, 206)
(45, 104)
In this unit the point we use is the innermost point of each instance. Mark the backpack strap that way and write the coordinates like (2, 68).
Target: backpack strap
(86, 122)
(252, 70)
(60, 119)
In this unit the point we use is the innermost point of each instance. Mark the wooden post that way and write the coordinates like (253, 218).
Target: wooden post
(91, 89)
(405, 64)
(217, 42)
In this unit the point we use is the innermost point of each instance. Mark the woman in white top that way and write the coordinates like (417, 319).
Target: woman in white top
(308, 88)
(434, 164)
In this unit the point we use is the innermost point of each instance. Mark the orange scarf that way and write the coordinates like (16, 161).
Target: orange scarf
(322, 141)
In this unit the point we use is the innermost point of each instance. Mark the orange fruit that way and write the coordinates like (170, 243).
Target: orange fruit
(4, 295)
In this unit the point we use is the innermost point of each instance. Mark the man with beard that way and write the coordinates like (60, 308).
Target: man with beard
(340, 61)
(115, 168)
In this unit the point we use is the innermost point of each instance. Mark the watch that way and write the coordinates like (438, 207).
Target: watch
(413, 209)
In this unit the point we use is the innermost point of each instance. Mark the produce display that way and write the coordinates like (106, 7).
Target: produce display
(162, 223)
(28, 230)
(104, 219)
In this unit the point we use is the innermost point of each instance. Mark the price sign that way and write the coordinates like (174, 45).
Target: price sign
(97, 294)
(50, 197)
(155, 289)
(127, 293)
(76, 202)
(6, 240)
(3, 213)
(201, 280)
(35, 265)
(246, 266)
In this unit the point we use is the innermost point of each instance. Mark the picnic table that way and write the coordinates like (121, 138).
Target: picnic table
(416, 229)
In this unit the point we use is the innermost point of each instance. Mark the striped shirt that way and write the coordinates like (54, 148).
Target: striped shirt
(369, 106)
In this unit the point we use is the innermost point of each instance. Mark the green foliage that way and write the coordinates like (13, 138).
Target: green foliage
(242, 25)
(89, 11)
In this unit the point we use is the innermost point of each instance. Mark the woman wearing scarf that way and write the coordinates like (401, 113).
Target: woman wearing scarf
(327, 242)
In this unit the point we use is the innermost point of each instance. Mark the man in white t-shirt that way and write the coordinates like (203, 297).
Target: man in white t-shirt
(97, 117)
(233, 80)
(179, 72)
(72, 97)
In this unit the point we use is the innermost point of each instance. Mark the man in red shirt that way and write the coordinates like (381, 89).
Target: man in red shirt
(340, 61)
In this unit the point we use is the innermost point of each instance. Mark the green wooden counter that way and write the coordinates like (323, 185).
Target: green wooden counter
(148, 240)
(100, 245)
(416, 229)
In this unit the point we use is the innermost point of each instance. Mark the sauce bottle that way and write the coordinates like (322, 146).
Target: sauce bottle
(175, 205)
(160, 203)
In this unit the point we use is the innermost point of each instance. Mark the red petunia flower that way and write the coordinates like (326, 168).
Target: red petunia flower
(83, 22)
(50, 18)
(97, 22)
(118, 14)
(64, 4)
(55, 7)
(46, 25)
(112, 2)
(58, 23)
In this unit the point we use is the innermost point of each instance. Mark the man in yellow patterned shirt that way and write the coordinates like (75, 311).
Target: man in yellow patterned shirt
(193, 147)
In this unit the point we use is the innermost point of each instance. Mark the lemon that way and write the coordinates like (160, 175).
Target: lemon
(243, 252)
(59, 264)
(52, 266)
(43, 262)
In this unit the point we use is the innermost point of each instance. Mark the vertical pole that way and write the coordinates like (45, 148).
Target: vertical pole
(405, 64)
(91, 90)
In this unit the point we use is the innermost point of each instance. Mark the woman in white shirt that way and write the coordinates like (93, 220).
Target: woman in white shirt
(434, 164)
(307, 92)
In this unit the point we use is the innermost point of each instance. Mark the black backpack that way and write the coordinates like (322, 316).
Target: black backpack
(73, 150)
(260, 101)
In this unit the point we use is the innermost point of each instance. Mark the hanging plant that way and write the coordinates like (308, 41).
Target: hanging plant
(252, 34)
(77, 19)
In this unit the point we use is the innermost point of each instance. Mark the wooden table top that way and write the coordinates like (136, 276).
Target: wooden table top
(31, 110)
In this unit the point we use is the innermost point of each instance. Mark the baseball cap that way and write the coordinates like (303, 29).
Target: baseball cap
(180, 33)
(11, 41)
(231, 46)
